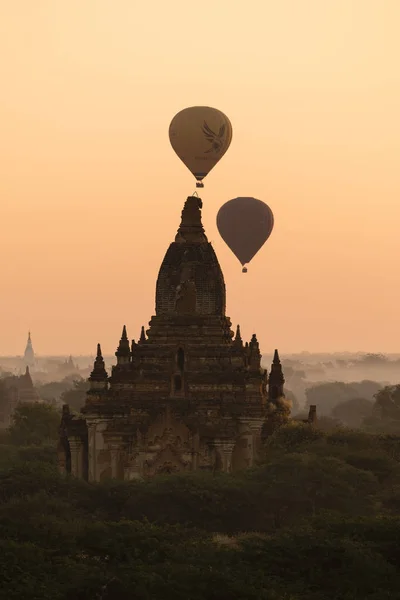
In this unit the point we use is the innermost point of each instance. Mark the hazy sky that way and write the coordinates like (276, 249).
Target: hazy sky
(91, 191)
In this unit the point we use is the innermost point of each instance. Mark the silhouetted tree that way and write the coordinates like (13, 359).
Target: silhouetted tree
(34, 423)
(76, 396)
(353, 412)
(328, 395)
(386, 411)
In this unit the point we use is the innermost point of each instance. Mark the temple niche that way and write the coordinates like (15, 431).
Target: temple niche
(189, 394)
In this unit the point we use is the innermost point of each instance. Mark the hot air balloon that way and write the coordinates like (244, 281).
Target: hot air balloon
(200, 136)
(245, 224)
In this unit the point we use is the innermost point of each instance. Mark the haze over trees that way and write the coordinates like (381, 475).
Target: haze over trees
(322, 500)
(317, 504)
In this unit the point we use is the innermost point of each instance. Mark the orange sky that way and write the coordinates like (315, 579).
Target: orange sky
(91, 191)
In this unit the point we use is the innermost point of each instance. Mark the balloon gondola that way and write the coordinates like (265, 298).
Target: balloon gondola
(200, 136)
(245, 224)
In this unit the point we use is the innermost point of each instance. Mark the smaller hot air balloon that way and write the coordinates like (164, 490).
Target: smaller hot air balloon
(245, 224)
(200, 136)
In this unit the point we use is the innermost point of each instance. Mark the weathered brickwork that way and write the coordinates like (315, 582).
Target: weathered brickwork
(189, 394)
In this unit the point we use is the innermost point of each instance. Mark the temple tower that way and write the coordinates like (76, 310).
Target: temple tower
(189, 394)
(29, 355)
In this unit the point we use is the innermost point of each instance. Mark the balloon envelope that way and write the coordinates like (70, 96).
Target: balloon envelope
(200, 136)
(245, 224)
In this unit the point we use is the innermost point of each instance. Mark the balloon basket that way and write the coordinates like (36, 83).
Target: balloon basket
(244, 270)
(199, 184)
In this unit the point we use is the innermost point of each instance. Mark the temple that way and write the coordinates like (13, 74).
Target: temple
(18, 389)
(29, 355)
(189, 394)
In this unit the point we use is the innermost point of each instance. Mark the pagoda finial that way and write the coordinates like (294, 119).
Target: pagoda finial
(238, 338)
(142, 338)
(191, 228)
(276, 379)
(123, 349)
(254, 354)
(276, 359)
(99, 372)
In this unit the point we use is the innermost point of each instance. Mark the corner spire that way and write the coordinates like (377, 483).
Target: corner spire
(254, 354)
(123, 349)
(191, 228)
(276, 359)
(142, 338)
(99, 372)
(276, 379)
(238, 338)
(123, 352)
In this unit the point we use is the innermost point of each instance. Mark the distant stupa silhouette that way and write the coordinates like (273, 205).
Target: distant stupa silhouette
(29, 355)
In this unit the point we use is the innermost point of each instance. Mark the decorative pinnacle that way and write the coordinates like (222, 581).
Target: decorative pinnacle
(238, 338)
(276, 373)
(99, 372)
(254, 342)
(142, 338)
(191, 228)
(276, 360)
(123, 348)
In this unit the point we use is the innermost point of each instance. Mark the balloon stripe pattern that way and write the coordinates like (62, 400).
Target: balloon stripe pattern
(245, 224)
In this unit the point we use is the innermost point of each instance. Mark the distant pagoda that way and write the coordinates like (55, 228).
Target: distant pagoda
(29, 355)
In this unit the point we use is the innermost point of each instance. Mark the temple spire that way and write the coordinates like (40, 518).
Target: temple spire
(123, 351)
(29, 355)
(276, 359)
(99, 373)
(191, 228)
(254, 354)
(238, 338)
(276, 379)
(142, 338)
(27, 377)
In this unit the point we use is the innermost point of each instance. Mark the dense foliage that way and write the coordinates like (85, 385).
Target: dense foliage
(315, 520)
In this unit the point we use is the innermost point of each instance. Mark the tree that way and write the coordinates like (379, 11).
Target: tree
(385, 415)
(4, 402)
(34, 424)
(353, 412)
(293, 400)
(76, 396)
(53, 390)
(374, 359)
(328, 395)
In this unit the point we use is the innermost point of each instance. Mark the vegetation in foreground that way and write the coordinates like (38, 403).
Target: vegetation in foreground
(316, 520)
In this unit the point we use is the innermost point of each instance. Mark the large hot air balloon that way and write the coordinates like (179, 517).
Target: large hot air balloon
(200, 136)
(245, 224)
